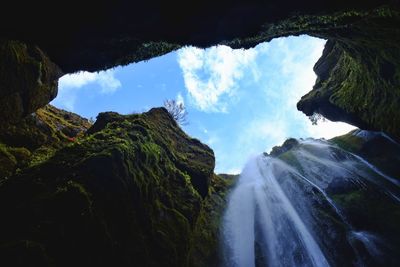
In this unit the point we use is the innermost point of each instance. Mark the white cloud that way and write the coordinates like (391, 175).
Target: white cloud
(299, 71)
(108, 83)
(281, 69)
(76, 80)
(328, 129)
(267, 131)
(281, 119)
(69, 85)
(302, 81)
(179, 99)
(210, 75)
(234, 171)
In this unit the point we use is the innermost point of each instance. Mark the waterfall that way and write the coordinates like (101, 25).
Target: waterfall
(291, 210)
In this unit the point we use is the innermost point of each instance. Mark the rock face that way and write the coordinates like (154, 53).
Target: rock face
(129, 193)
(358, 74)
(358, 83)
(36, 138)
(103, 34)
(376, 147)
(28, 80)
(206, 245)
(354, 196)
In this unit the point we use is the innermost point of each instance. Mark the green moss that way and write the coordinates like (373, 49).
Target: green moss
(349, 198)
(329, 217)
(152, 150)
(172, 231)
(358, 80)
(371, 211)
(349, 142)
(123, 191)
(358, 76)
(320, 25)
(291, 160)
(375, 148)
(36, 138)
(74, 186)
(146, 51)
(12, 159)
(205, 248)
(28, 79)
(360, 92)
(21, 154)
(8, 162)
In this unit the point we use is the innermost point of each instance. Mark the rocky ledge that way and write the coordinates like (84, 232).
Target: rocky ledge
(132, 191)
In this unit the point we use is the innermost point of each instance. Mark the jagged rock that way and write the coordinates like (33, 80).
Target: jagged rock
(287, 145)
(28, 80)
(378, 148)
(363, 199)
(194, 158)
(206, 243)
(357, 88)
(36, 137)
(129, 193)
(104, 34)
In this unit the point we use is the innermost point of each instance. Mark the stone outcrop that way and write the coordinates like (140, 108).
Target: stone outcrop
(376, 147)
(128, 193)
(37, 137)
(361, 188)
(28, 80)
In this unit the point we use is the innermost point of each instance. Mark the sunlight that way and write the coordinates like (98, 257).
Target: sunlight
(240, 102)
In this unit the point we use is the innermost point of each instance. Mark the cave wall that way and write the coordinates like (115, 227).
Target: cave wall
(37, 137)
(358, 78)
(28, 79)
(129, 192)
(359, 74)
(95, 35)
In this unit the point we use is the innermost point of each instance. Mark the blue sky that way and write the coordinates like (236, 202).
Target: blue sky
(240, 102)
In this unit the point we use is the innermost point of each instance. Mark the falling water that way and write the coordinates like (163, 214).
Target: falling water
(260, 195)
(281, 212)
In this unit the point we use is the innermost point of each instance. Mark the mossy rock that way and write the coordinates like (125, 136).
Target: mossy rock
(28, 80)
(358, 76)
(206, 241)
(376, 147)
(126, 194)
(37, 137)
(8, 162)
(366, 200)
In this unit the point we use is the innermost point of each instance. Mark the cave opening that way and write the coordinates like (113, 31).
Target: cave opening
(137, 190)
(239, 102)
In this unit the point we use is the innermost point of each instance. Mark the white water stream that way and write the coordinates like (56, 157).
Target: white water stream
(270, 218)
